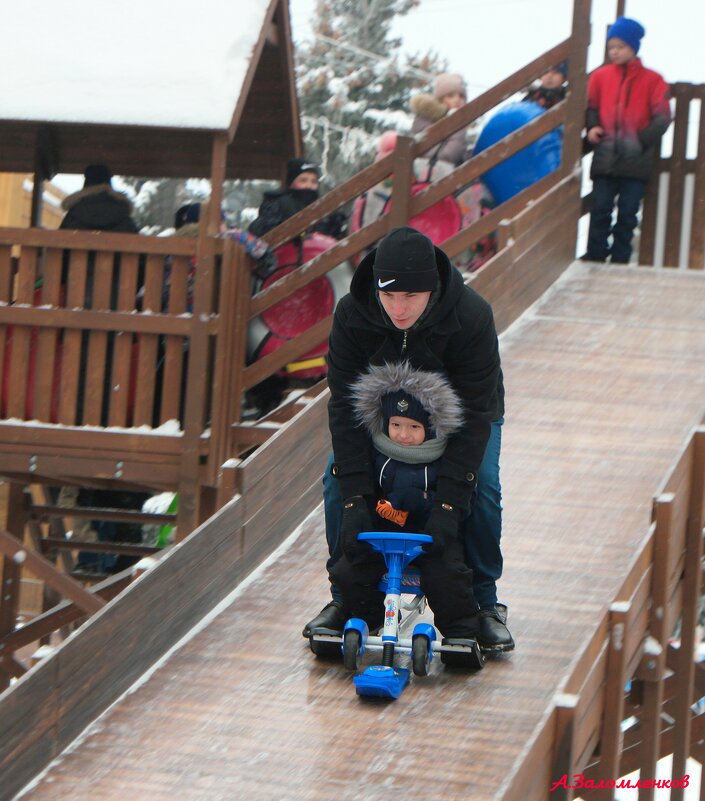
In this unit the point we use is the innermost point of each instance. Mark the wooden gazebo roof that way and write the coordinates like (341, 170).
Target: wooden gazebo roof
(255, 111)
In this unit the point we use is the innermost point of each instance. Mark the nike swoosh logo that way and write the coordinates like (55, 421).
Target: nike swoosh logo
(381, 283)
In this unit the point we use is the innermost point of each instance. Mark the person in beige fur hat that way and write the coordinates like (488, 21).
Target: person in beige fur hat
(449, 94)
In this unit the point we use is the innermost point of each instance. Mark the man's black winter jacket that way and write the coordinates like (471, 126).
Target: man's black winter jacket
(456, 338)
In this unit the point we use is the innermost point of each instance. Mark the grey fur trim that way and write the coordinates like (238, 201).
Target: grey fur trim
(432, 390)
(426, 452)
(426, 106)
(97, 189)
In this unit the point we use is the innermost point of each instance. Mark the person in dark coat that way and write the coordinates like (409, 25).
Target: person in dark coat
(552, 87)
(301, 189)
(98, 207)
(408, 303)
(628, 112)
(409, 415)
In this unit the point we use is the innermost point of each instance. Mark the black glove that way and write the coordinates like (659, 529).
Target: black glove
(356, 518)
(442, 524)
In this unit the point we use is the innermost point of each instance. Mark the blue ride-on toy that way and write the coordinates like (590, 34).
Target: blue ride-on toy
(386, 680)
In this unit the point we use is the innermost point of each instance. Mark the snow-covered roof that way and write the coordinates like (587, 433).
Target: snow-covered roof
(134, 62)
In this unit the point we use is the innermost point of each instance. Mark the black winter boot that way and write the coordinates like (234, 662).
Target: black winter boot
(494, 636)
(332, 616)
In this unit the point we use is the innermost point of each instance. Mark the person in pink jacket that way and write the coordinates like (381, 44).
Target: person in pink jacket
(628, 111)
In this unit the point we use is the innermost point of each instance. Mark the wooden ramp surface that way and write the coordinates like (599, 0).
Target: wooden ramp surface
(605, 378)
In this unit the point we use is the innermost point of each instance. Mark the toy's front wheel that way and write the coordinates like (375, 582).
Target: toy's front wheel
(352, 648)
(420, 655)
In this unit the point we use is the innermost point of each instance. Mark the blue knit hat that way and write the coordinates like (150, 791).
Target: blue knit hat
(402, 404)
(628, 30)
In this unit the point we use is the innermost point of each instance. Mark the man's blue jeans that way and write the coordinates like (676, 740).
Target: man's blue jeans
(628, 193)
(482, 529)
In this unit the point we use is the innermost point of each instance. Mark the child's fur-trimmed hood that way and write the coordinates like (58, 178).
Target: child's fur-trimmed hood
(432, 390)
(428, 107)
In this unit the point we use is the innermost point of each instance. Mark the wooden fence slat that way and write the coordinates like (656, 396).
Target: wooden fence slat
(174, 347)
(96, 370)
(696, 255)
(123, 350)
(21, 373)
(71, 356)
(676, 184)
(147, 344)
(691, 597)
(562, 762)
(654, 664)
(615, 679)
(47, 339)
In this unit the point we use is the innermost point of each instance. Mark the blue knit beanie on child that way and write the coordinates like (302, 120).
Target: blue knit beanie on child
(628, 30)
(402, 404)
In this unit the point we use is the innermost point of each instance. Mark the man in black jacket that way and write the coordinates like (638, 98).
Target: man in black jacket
(300, 190)
(408, 303)
(98, 207)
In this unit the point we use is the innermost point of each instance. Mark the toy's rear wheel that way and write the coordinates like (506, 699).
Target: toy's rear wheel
(420, 655)
(325, 650)
(351, 649)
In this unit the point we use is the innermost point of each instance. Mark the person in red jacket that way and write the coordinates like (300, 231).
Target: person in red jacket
(628, 111)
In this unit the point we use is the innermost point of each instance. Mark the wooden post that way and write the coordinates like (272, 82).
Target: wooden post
(689, 617)
(563, 747)
(403, 178)
(11, 571)
(576, 101)
(238, 352)
(611, 733)
(651, 669)
(219, 157)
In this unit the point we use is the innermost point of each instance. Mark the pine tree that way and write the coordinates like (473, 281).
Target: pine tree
(354, 84)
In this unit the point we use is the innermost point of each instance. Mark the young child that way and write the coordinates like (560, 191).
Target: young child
(552, 87)
(409, 415)
(449, 94)
(628, 112)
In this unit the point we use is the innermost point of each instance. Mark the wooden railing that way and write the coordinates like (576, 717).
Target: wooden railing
(674, 205)
(583, 745)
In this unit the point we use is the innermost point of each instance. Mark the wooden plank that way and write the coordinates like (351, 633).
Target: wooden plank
(649, 213)
(479, 164)
(97, 241)
(403, 178)
(43, 569)
(20, 369)
(90, 320)
(691, 596)
(563, 758)
(147, 344)
(300, 344)
(93, 381)
(318, 266)
(696, 254)
(611, 731)
(676, 183)
(47, 340)
(62, 614)
(71, 354)
(304, 427)
(174, 347)
(123, 345)
(650, 718)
